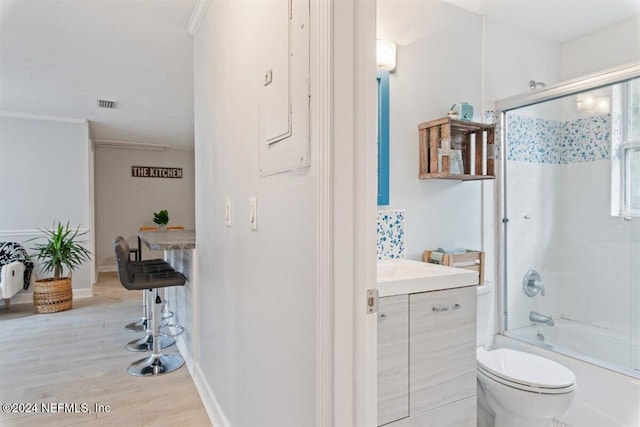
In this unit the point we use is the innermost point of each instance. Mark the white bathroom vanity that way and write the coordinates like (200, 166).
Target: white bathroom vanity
(426, 345)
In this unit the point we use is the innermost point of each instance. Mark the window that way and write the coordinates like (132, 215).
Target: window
(630, 150)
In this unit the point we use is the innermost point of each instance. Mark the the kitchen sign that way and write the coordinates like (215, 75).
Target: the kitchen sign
(155, 172)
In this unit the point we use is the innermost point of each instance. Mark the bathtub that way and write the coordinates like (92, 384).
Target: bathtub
(594, 344)
(604, 397)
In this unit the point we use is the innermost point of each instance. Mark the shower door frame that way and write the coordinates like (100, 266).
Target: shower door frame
(570, 87)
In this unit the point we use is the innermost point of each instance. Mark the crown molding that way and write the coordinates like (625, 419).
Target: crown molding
(17, 115)
(131, 145)
(199, 10)
(31, 232)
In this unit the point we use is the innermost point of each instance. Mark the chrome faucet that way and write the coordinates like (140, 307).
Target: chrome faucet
(534, 316)
(537, 284)
(532, 284)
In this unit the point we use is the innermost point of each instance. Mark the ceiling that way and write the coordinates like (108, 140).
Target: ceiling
(555, 20)
(58, 57)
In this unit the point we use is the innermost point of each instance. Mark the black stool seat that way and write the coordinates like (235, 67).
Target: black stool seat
(155, 280)
(140, 276)
(153, 268)
(149, 262)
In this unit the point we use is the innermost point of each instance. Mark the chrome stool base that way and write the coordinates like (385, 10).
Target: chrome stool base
(146, 343)
(173, 330)
(139, 326)
(156, 364)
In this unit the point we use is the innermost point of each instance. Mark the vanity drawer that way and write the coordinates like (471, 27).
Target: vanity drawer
(442, 351)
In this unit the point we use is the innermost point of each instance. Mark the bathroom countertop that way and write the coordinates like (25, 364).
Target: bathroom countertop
(169, 239)
(404, 276)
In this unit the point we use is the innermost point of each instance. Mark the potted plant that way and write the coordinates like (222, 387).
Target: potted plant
(161, 218)
(61, 249)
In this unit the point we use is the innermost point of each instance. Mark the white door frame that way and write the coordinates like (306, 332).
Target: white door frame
(347, 214)
(344, 119)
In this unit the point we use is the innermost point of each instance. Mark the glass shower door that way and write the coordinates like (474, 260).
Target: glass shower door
(571, 259)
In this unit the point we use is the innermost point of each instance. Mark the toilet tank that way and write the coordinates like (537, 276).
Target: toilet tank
(486, 318)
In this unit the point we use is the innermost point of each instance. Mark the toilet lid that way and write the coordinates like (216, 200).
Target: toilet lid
(526, 369)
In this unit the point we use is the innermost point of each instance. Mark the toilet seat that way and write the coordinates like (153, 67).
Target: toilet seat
(525, 371)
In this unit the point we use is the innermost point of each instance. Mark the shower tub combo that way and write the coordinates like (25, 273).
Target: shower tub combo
(567, 209)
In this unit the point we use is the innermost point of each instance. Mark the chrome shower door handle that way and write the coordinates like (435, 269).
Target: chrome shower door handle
(442, 309)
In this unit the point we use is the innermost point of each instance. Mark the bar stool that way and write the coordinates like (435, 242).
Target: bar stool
(143, 325)
(158, 363)
(166, 313)
(146, 266)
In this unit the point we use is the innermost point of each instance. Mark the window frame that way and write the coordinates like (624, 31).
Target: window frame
(627, 146)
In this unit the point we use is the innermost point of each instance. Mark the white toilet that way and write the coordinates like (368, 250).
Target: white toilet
(523, 389)
(517, 388)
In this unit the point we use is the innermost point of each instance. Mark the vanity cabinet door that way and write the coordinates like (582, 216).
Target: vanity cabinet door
(393, 358)
(442, 354)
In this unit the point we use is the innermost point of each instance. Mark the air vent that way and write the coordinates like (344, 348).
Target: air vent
(103, 103)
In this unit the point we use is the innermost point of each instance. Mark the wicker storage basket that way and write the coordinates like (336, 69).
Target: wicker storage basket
(51, 295)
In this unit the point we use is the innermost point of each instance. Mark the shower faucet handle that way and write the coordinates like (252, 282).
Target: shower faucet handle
(532, 284)
(538, 285)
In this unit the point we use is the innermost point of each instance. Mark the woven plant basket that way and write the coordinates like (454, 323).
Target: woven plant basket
(51, 295)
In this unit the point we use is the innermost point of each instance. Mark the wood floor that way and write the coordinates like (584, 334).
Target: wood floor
(78, 357)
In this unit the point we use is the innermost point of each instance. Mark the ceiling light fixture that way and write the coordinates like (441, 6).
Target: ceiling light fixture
(130, 145)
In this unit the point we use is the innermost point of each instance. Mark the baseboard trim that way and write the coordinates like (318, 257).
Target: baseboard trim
(82, 293)
(211, 404)
(27, 297)
(188, 360)
(107, 269)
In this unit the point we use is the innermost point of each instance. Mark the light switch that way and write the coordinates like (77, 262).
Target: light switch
(227, 212)
(253, 213)
(268, 77)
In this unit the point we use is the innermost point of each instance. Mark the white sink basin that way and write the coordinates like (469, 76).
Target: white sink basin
(405, 276)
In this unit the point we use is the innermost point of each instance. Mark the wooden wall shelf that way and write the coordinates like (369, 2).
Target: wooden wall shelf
(439, 140)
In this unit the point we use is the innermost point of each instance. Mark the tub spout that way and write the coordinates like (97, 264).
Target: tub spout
(534, 316)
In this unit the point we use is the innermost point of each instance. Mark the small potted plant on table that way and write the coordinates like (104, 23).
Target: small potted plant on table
(161, 218)
(62, 248)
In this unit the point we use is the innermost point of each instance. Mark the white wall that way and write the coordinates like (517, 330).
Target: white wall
(512, 58)
(125, 203)
(438, 64)
(616, 45)
(257, 289)
(44, 171)
(447, 54)
(440, 61)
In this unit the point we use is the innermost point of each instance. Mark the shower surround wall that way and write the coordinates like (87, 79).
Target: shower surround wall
(559, 200)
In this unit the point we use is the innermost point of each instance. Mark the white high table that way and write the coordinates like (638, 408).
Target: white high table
(179, 248)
